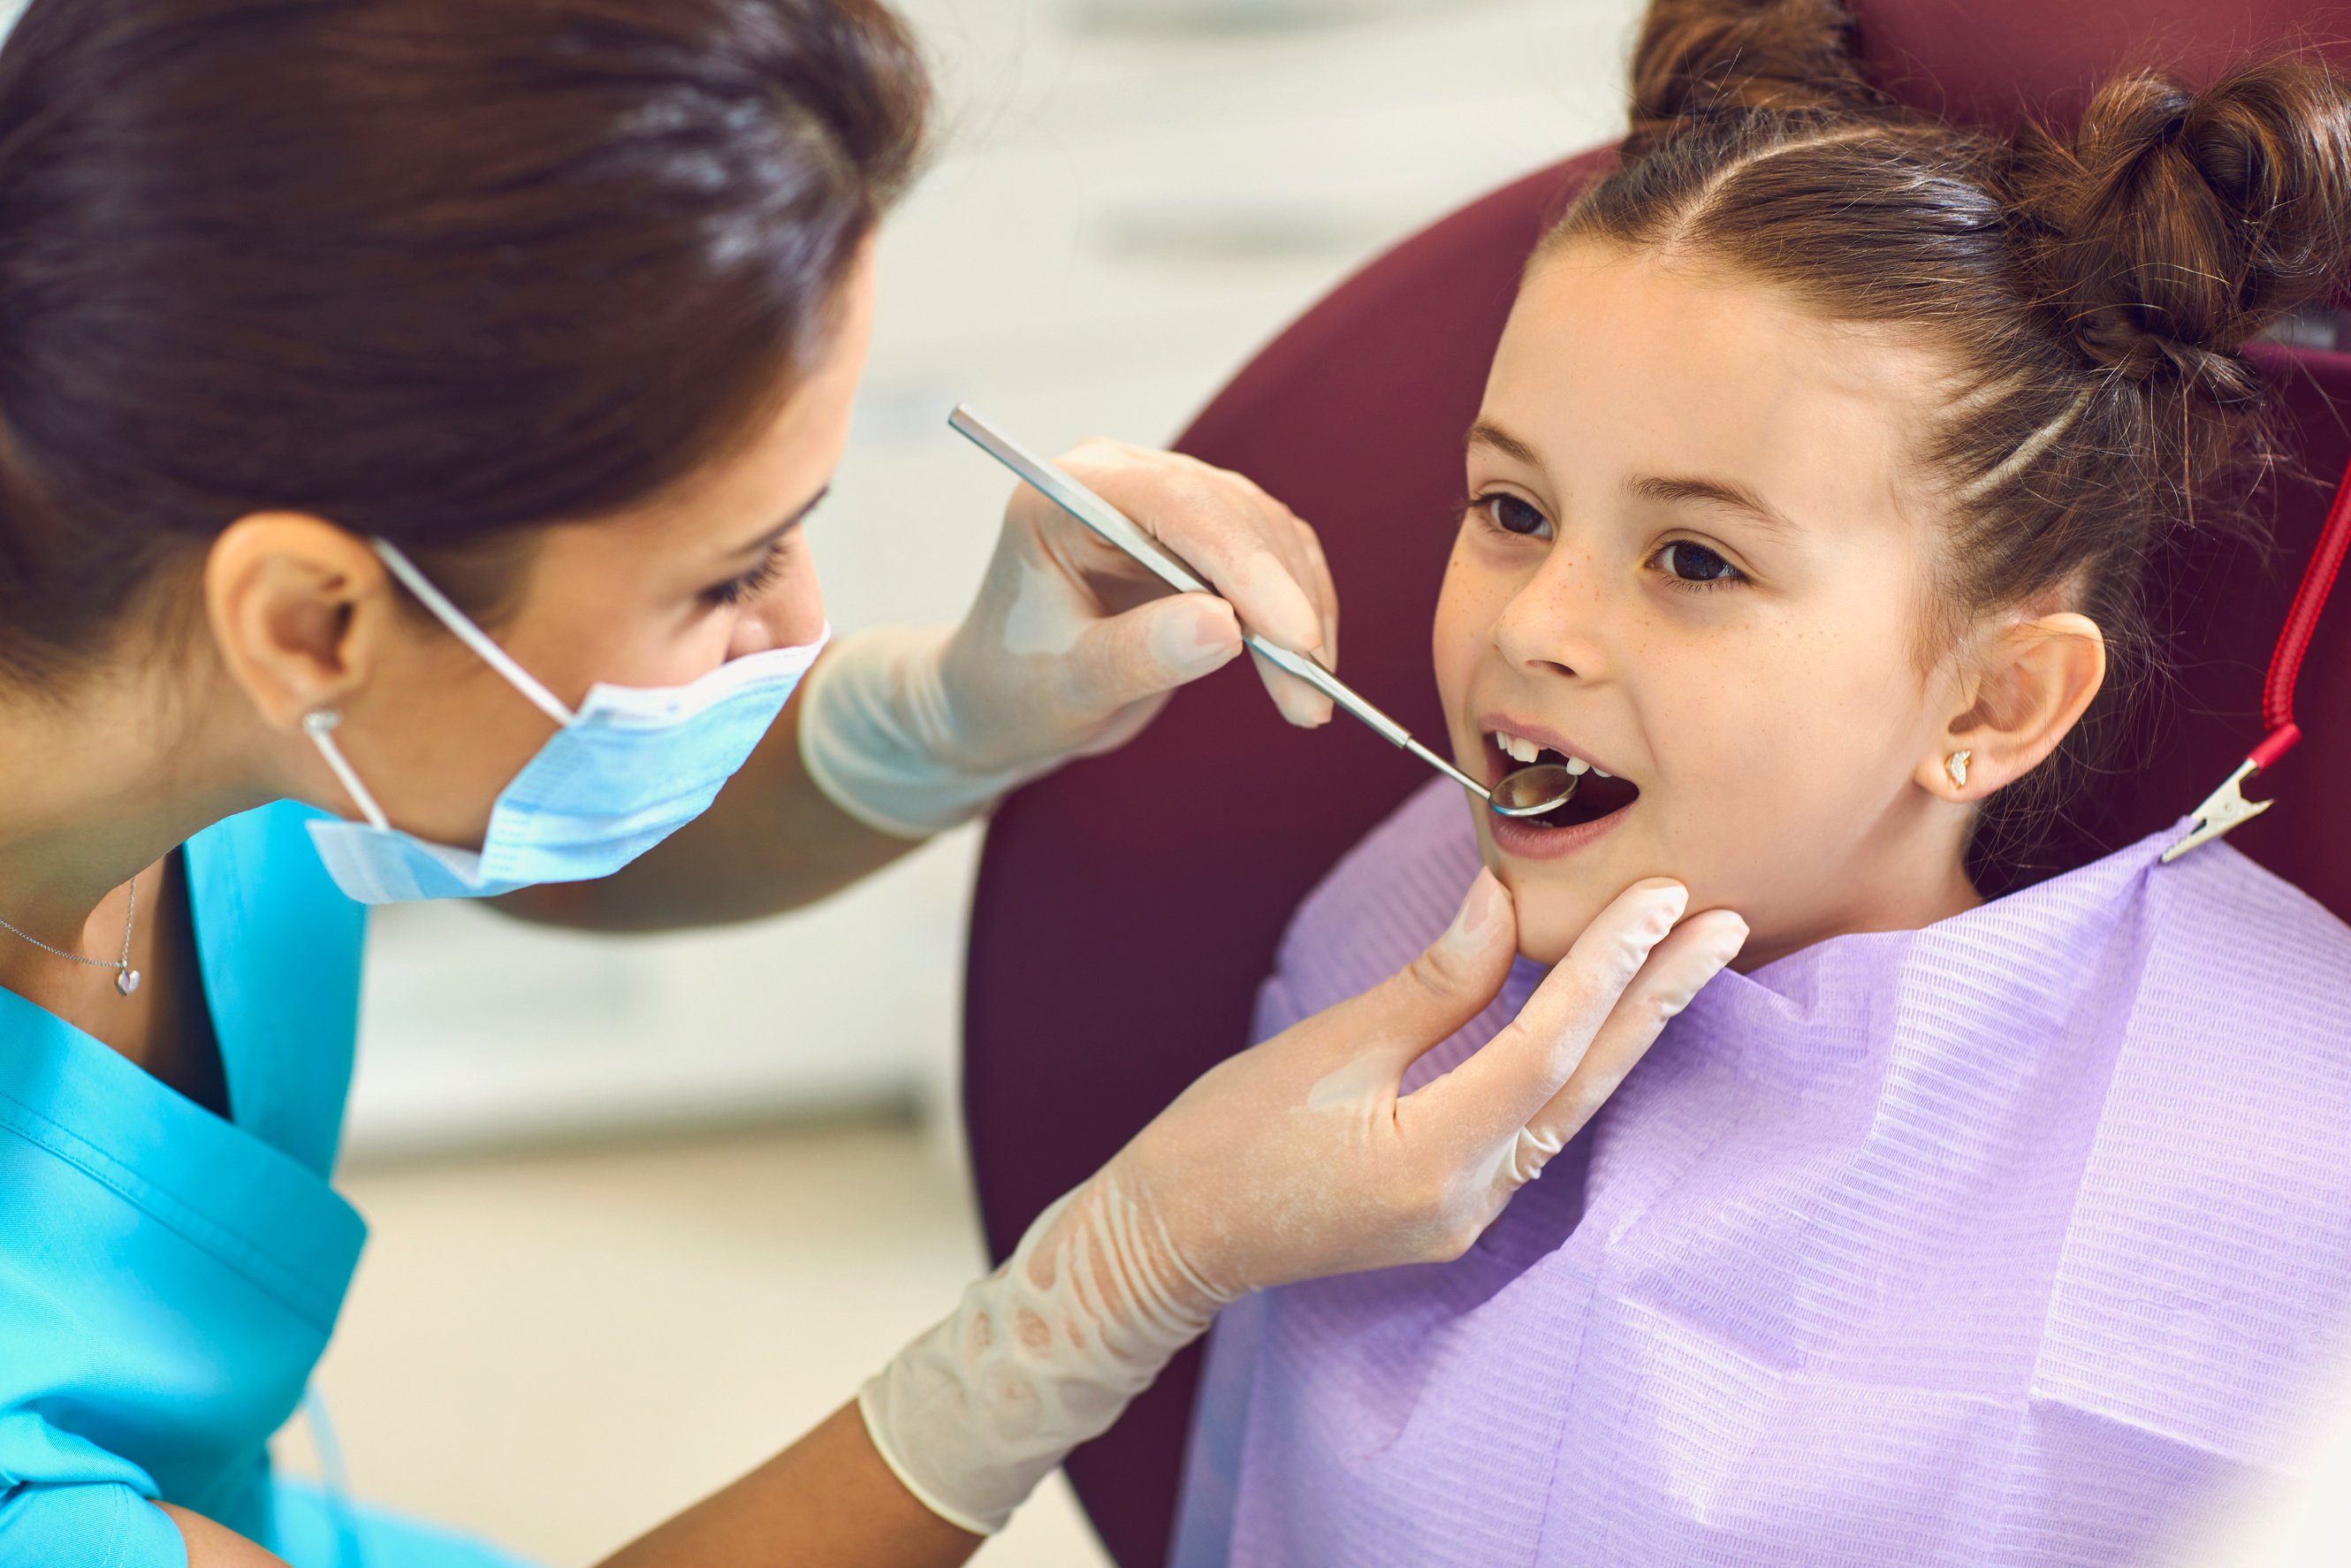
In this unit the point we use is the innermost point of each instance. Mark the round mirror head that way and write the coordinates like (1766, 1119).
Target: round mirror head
(1532, 791)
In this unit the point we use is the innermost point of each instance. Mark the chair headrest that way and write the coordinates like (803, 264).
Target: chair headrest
(1979, 62)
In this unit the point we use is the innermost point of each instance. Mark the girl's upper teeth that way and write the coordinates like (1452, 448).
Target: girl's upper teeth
(1520, 749)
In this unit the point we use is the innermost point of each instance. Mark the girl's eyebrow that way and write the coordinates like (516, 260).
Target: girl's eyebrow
(1720, 492)
(1651, 487)
(1486, 434)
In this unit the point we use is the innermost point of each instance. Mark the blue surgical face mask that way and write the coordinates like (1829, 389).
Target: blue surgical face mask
(629, 768)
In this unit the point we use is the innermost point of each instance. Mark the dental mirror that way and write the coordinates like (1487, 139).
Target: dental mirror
(1533, 791)
(1528, 793)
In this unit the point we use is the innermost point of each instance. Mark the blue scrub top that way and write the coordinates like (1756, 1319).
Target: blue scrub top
(167, 1279)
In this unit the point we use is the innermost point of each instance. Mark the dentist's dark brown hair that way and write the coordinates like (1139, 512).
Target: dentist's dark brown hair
(438, 270)
(2091, 289)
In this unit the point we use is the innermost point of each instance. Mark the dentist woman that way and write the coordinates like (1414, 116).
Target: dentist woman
(408, 413)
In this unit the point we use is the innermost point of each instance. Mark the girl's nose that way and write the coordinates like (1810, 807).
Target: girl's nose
(1552, 624)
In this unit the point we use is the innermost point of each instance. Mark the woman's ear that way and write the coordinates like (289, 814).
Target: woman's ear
(298, 608)
(2031, 685)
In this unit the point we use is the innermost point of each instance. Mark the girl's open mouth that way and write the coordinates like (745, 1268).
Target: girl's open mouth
(1597, 794)
(1599, 803)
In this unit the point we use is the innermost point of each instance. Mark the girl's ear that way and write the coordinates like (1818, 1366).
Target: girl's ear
(2032, 685)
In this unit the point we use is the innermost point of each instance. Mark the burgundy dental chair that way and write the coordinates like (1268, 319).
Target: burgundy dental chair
(1128, 907)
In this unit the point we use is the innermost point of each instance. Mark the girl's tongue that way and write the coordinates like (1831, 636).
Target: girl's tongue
(1596, 797)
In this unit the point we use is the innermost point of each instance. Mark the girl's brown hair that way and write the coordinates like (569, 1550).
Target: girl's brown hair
(436, 270)
(2093, 290)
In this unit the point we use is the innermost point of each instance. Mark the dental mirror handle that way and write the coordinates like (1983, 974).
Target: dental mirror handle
(1118, 530)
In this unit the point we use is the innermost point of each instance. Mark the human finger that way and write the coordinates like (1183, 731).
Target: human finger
(1250, 557)
(1206, 515)
(1153, 648)
(1388, 1027)
(1486, 1100)
(1217, 523)
(1324, 590)
(1302, 550)
(1302, 705)
(1679, 968)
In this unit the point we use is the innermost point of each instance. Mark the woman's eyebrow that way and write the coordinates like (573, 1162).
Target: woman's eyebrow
(780, 529)
(1720, 492)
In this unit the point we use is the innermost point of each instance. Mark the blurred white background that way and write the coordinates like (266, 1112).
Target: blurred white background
(567, 1326)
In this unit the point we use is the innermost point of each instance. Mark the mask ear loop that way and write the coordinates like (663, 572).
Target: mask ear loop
(320, 723)
(2227, 806)
(463, 628)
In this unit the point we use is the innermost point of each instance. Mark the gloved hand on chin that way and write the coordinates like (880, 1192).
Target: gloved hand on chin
(1298, 1158)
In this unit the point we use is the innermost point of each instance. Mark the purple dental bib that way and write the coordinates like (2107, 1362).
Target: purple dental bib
(2002, 1241)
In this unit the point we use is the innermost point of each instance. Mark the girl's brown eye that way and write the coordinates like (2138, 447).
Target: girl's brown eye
(1513, 516)
(1696, 563)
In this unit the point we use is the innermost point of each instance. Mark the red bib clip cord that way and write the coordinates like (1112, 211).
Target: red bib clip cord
(2227, 806)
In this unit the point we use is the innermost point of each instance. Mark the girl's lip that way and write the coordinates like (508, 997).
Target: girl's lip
(1524, 841)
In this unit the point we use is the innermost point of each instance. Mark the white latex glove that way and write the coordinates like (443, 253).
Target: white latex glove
(1070, 649)
(1298, 1158)
(2296, 1516)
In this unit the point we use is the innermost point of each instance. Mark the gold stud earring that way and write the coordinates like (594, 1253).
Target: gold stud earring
(1956, 765)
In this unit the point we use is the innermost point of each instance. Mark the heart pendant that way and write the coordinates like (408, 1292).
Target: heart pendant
(127, 981)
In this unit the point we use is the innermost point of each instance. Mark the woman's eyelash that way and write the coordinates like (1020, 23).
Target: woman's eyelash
(1677, 557)
(751, 584)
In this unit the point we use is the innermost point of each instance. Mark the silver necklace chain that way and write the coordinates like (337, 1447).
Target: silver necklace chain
(126, 978)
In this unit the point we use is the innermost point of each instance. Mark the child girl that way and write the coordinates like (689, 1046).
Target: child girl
(1808, 506)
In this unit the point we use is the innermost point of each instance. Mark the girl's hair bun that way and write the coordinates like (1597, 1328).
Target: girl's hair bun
(1699, 59)
(2173, 225)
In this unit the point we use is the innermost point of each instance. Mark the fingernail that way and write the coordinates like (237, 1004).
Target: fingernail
(1480, 907)
(1732, 942)
(1301, 703)
(1665, 906)
(1706, 965)
(1661, 908)
(1195, 644)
